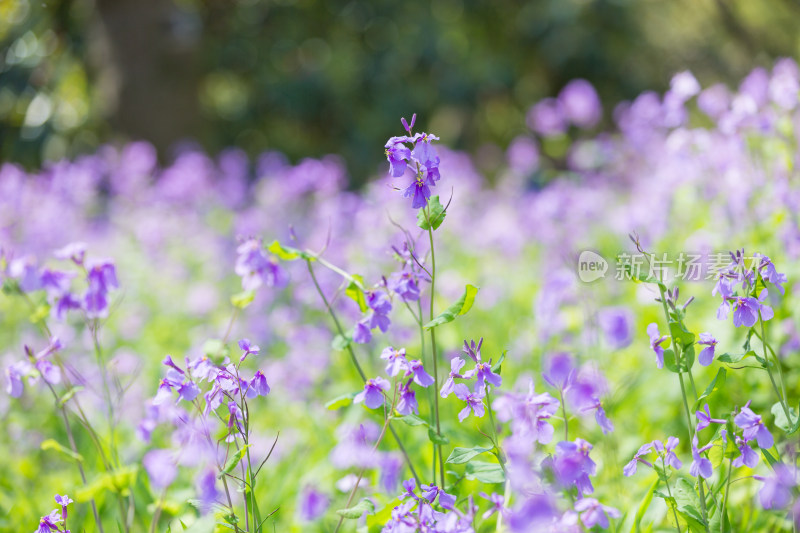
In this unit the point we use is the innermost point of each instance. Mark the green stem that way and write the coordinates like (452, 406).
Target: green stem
(669, 492)
(354, 359)
(685, 402)
(782, 393)
(433, 347)
(725, 498)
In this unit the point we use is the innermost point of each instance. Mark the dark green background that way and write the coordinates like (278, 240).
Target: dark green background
(314, 77)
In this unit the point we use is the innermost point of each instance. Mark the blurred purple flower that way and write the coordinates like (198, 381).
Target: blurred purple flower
(580, 103)
(372, 395)
(753, 427)
(655, 343)
(706, 356)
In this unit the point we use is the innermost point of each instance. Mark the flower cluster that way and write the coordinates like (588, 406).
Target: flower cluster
(482, 373)
(750, 305)
(100, 276)
(56, 521)
(415, 154)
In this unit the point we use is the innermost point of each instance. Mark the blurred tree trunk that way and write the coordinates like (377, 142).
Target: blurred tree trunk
(148, 69)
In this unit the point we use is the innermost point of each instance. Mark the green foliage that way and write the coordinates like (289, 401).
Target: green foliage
(432, 216)
(461, 307)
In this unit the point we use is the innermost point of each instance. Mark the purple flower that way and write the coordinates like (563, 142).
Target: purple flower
(474, 401)
(528, 414)
(559, 370)
(667, 452)
(777, 490)
(456, 364)
(498, 504)
(101, 277)
(706, 356)
(747, 456)
(753, 427)
(406, 126)
(27, 274)
(49, 523)
(75, 252)
(64, 303)
(372, 395)
(431, 492)
(206, 487)
(405, 284)
(380, 307)
(547, 118)
(704, 418)
(425, 153)
(630, 468)
(361, 332)
(312, 504)
(256, 268)
(56, 282)
(161, 468)
(407, 403)
(398, 155)
(768, 272)
(421, 378)
(483, 373)
(593, 513)
(188, 391)
(395, 360)
(418, 191)
(259, 384)
(248, 348)
(580, 103)
(50, 373)
(63, 501)
(700, 466)
(655, 343)
(616, 323)
(572, 465)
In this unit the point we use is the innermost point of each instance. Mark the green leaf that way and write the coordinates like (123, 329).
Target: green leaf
(341, 401)
(680, 335)
(688, 503)
(669, 360)
(69, 394)
(463, 455)
(770, 459)
(498, 366)
(52, 444)
(379, 519)
(243, 299)
(341, 342)
(287, 253)
(233, 461)
(354, 292)
(437, 438)
(643, 506)
(461, 307)
(436, 214)
(738, 360)
(485, 472)
(364, 506)
(716, 384)
(412, 420)
(716, 454)
(787, 426)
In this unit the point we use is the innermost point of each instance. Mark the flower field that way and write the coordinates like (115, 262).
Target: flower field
(598, 334)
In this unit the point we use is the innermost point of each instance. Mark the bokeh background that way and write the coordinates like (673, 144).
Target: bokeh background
(312, 77)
